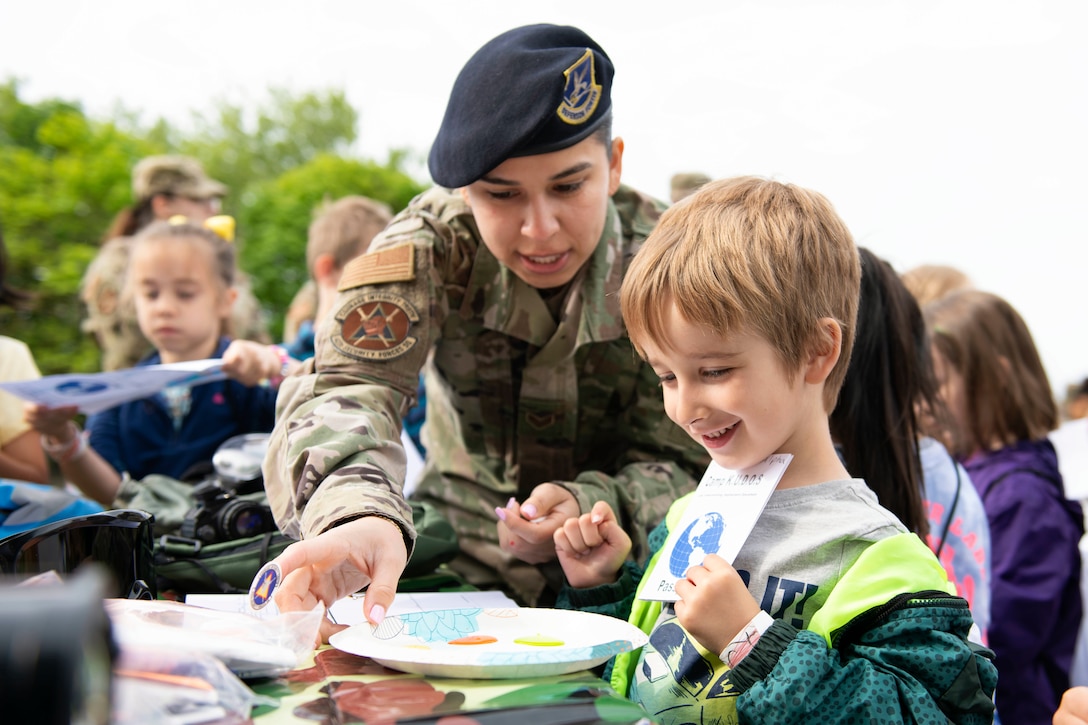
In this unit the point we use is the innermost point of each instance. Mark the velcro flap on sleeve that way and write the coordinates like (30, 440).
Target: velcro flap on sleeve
(396, 264)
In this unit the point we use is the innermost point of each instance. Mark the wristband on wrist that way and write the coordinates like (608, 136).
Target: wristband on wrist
(746, 639)
(71, 449)
(275, 380)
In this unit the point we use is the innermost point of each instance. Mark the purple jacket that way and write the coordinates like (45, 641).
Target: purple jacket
(1036, 602)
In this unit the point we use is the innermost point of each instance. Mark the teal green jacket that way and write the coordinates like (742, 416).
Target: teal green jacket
(890, 645)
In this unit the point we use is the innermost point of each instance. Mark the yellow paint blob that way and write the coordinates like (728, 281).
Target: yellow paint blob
(539, 640)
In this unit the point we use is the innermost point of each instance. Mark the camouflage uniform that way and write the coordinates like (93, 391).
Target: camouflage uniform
(514, 400)
(111, 316)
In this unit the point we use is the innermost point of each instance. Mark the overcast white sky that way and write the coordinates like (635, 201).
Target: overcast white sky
(944, 132)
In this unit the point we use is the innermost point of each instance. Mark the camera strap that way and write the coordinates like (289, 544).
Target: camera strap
(191, 566)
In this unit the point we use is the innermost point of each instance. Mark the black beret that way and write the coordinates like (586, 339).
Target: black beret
(531, 90)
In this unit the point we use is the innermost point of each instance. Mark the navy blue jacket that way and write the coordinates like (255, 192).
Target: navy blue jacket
(139, 437)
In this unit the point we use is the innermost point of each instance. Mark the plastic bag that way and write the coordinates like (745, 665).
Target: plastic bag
(249, 646)
(178, 688)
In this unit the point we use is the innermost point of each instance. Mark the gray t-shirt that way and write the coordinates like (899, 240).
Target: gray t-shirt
(803, 542)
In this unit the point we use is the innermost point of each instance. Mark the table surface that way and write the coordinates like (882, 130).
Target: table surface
(335, 687)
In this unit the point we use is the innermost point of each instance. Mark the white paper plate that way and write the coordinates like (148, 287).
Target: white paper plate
(520, 642)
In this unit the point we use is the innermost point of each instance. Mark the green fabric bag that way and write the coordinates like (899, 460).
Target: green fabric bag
(188, 566)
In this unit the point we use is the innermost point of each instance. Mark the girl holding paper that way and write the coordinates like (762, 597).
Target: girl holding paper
(180, 278)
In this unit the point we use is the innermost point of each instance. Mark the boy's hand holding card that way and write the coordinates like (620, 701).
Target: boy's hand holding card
(721, 514)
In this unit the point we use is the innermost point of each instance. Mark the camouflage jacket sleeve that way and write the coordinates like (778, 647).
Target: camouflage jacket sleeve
(336, 453)
(331, 459)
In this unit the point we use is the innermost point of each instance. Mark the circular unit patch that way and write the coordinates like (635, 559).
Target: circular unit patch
(264, 584)
(376, 326)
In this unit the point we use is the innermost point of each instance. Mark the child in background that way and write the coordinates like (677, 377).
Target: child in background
(994, 385)
(743, 300)
(930, 282)
(339, 234)
(180, 276)
(21, 457)
(300, 310)
(162, 187)
(889, 391)
(1075, 406)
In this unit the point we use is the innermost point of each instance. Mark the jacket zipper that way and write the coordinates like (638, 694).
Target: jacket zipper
(877, 615)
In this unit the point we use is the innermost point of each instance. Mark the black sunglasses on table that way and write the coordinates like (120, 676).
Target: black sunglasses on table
(121, 541)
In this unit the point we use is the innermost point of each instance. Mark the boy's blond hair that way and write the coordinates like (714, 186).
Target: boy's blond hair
(749, 254)
(345, 228)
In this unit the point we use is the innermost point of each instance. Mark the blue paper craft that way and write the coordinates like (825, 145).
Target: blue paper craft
(95, 392)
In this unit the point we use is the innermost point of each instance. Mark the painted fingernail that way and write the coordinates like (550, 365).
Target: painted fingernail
(377, 614)
(529, 510)
(501, 513)
(596, 518)
(511, 502)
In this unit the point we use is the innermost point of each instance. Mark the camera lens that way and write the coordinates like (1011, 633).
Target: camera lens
(240, 519)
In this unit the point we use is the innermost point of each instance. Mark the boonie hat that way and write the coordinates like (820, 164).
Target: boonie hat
(532, 90)
(686, 183)
(179, 175)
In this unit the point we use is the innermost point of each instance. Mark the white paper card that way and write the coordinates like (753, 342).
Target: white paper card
(722, 512)
(95, 392)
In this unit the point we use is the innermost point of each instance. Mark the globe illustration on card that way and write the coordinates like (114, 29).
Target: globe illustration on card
(81, 387)
(702, 536)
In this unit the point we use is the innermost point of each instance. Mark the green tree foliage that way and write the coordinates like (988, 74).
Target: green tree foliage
(245, 147)
(275, 218)
(64, 176)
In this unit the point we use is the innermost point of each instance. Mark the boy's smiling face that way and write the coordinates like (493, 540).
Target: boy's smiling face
(733, 395)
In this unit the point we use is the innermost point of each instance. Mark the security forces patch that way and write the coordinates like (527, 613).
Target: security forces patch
(375, 326)
(581, 93)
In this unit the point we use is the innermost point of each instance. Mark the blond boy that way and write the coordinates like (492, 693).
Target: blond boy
(743, 300)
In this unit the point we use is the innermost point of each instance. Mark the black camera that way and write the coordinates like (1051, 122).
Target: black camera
(220, 513)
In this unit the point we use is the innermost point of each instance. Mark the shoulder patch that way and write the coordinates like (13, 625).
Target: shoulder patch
(388, 265)
(375, 326)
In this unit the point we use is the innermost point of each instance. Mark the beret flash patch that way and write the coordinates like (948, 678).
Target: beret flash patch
(375, 326)
(581, 93)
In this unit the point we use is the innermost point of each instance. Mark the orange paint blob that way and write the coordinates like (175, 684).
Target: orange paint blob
(474, 639)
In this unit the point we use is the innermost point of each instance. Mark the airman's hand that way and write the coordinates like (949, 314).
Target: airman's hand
(527, 530)
(367, 552)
